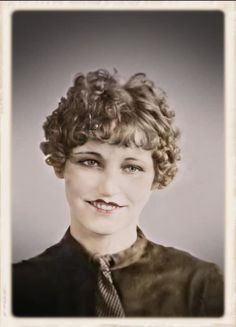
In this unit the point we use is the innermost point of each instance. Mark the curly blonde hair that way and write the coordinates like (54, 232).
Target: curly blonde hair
(98, 106)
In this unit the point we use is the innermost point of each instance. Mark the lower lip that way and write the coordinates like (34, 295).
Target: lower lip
(105, 212)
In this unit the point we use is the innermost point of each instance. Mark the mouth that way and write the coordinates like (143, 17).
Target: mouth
(104, 207)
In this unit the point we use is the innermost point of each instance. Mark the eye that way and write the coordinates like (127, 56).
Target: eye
(89, 163)
(132, 169)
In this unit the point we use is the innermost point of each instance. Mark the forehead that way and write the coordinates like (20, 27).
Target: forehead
(113, 151)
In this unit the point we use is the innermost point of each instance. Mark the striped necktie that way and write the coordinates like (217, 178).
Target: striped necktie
(107, 300)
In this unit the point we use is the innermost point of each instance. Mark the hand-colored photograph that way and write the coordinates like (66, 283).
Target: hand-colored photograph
(118, 164)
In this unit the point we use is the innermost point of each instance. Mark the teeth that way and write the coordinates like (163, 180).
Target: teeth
(103, 206)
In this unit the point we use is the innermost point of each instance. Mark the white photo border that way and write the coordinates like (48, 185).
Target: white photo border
(6, 10)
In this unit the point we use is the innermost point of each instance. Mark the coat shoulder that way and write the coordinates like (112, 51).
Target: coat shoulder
(203, 280)
(52, 283)
(171, 257)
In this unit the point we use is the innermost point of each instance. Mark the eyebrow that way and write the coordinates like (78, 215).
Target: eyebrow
(100, 156)
(131, 158)
(89, 152)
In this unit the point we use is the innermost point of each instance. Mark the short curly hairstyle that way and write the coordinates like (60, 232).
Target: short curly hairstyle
(98, 106)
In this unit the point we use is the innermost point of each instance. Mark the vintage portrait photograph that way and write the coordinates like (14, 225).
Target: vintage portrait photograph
(117, 164)
(90, 89)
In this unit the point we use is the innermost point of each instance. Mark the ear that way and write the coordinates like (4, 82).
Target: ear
(59, 173)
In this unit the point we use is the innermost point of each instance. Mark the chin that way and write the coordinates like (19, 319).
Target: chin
(105, 228)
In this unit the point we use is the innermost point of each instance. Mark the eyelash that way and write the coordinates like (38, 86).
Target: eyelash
(94, 163)
(85, 163)
(137, 169)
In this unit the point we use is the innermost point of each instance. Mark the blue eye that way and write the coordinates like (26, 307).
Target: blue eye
(132, 169)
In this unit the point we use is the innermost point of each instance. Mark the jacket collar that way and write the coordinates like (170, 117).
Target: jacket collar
(115, 261)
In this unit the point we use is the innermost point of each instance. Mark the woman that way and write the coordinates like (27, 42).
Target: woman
(113, 144)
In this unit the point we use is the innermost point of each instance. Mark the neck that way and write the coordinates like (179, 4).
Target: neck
(102, 244)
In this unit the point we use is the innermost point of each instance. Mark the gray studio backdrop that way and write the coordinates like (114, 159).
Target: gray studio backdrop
(182, 51)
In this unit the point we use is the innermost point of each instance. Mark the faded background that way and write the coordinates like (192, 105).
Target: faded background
(183, 53)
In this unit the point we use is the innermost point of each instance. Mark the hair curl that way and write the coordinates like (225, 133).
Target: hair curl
(99, 107)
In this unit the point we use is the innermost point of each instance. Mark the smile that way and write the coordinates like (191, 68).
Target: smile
(102, 206)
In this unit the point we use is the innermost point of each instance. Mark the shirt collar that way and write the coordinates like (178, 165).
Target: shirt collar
(115, 261)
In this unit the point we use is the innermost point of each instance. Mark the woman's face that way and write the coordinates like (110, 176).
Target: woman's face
(107, 186)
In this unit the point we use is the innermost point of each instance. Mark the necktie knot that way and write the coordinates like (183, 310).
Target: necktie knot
(105, 263)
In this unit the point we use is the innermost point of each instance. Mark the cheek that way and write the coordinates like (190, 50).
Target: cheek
(140, 196)
(78, 184)
(71, 191)
(139, 190)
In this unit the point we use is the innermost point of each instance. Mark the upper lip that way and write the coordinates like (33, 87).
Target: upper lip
(107, 203)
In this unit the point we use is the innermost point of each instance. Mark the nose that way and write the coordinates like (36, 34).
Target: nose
(109, 183)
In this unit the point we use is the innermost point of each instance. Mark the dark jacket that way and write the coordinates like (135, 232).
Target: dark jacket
(157, 282)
